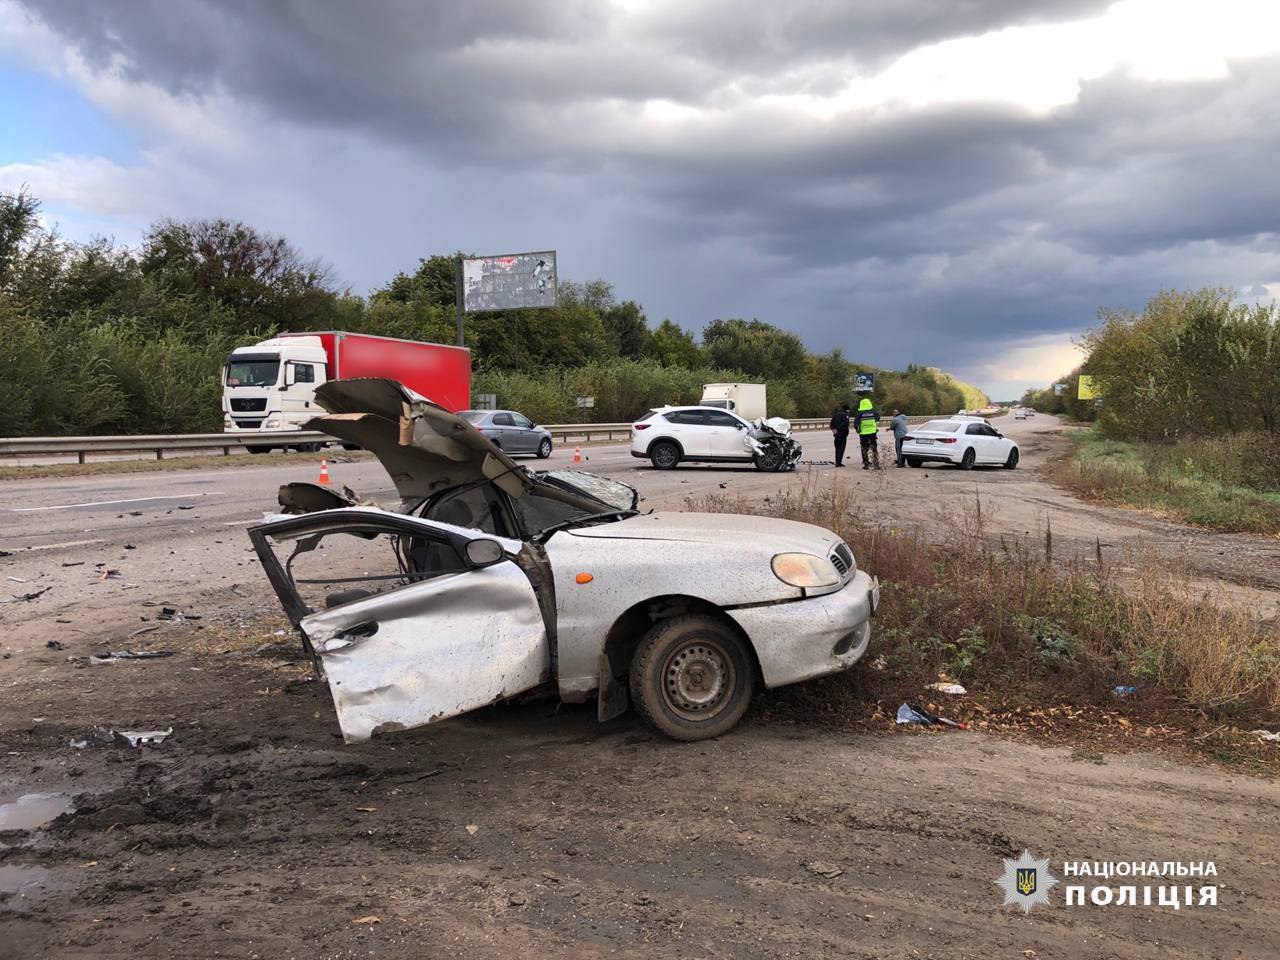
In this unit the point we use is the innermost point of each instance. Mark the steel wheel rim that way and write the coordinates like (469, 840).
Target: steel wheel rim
(697, 680)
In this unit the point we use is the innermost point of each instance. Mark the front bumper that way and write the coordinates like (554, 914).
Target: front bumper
(802, 639)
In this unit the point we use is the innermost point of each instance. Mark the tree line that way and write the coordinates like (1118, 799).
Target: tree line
(101, 338)
(1188, 364)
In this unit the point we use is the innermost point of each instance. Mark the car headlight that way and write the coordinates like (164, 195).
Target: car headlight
(805, 570)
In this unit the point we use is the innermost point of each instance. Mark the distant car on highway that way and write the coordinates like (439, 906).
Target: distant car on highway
(1019, 413)
(510, 431)
(966, 442)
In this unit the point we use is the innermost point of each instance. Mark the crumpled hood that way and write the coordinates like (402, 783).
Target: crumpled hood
(422, 445)
(723, 529)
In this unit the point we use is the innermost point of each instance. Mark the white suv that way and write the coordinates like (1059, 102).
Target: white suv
(668, 435)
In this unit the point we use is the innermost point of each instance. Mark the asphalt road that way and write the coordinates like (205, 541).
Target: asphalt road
(178, 537)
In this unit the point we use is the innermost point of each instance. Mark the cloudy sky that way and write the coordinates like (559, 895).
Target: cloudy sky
(952, 182)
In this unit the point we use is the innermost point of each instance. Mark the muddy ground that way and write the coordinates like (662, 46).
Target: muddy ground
(253, 831)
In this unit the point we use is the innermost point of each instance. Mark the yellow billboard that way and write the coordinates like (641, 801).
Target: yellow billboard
(1085, 390)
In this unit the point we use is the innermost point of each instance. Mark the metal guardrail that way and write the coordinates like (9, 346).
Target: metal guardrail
(160, 444)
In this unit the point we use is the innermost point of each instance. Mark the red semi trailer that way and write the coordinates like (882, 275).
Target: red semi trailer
(268, 388)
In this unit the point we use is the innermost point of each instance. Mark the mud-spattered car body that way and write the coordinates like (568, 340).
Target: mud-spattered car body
(500, 579)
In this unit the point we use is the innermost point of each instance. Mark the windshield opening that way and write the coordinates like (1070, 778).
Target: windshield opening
(260, 370)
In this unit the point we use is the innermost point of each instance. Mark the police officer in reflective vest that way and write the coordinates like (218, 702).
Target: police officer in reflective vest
(866, 422)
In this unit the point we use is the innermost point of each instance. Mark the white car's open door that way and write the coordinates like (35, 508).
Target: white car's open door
(445, 638)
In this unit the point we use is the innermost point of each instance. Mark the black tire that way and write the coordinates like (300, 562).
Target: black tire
(664, 455)
(544, 448)
(258, 449)
(1012, 462)
(966, 462)
(691, 678)
(770, 461)
(914, 461)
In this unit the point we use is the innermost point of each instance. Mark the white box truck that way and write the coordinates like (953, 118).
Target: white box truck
(744, 399)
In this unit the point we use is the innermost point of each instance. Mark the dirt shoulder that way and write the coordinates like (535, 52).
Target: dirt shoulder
(253, 831)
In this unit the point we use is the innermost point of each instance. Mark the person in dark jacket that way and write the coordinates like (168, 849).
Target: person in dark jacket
(840, 430)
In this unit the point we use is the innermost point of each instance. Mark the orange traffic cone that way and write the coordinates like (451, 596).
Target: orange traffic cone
(577, 454)
(324, 472)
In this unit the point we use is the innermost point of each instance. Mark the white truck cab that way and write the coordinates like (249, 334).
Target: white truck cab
(269, 388)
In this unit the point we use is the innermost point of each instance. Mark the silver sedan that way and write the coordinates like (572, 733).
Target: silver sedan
(510, 431)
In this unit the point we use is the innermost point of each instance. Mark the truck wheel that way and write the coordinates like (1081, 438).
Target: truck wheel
(664, 455)
(691, 678)
(1012, 462)
(544, 448)
(966, 462)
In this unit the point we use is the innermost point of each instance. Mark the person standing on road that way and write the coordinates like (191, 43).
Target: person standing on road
(899, 427)
(840, 430)
(867, 421)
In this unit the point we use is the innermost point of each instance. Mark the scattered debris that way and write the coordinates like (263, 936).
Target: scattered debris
(109, 574)
(129, 654)
(104, 737)
(517, 900)
(1267, 735)
(154, 626)
(137, 738)
(367, 809)
(167, 613)
(16, 579)
(369, 919)
(472, 829)
(1123, 691)
(22, 597)
(908, 714)
(73, 563)
(823, 869)
(53, 644)
(952, 688)
(130, 546)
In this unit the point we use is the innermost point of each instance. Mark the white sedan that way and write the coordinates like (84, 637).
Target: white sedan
(965, 441)
(492, 580)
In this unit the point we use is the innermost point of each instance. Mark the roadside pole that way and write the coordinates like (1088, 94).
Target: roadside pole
(458, 298)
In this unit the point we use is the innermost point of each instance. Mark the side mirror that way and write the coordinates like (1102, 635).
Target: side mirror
(289, 374)
(484, 553)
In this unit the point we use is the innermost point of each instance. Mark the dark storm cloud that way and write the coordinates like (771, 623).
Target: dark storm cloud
(960, 222)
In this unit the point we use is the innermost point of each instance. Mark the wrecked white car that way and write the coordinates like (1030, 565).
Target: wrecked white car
(492, 580)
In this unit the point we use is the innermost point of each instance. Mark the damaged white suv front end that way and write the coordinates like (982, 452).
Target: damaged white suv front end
(494, 580)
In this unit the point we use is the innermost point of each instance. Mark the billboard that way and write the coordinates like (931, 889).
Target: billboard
(864, 382)
(1085, 390)
(509, 282)
(1060, 389)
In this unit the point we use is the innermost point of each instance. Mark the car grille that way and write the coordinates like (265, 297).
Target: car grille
(842, 559)
(248, 404)
(249, 424)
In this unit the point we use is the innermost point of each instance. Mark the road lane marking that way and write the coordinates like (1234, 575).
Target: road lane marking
(59, 546)
(110, 503)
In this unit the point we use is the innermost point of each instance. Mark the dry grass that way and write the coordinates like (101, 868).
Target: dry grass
(1005, 615)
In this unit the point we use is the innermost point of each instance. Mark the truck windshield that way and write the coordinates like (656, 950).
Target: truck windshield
(261, 370)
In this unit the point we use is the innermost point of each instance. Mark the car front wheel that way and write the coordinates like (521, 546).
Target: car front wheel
(544, 448)
(664, 455)
(1013, 459)
(691, 678)
(966, 462)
